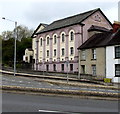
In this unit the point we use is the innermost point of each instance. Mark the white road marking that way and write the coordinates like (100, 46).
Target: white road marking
(47, 111)
(20, 81)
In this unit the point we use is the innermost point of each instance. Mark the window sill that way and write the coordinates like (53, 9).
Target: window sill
(117, 76)
(117, 58)
(93, 59)
(82, 60)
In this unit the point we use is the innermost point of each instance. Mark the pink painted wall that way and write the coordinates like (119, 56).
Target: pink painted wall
(78, 40)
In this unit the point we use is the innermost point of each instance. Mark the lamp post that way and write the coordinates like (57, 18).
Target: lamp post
(15, 33)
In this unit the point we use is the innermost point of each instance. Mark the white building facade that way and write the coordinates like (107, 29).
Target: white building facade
(113, 63)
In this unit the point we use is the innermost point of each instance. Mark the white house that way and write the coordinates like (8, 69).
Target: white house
(28, 55)
(113, 58)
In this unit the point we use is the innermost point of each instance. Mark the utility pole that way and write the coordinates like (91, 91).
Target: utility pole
(15, 34)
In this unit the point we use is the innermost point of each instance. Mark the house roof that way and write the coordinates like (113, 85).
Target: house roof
(102, 40)
(116, 39)
(29, 49)
(97, 28)
(73, 20)
(41, 24)
(97, 40)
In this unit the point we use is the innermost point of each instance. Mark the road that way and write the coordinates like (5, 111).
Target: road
(31, 103)
(10, 80)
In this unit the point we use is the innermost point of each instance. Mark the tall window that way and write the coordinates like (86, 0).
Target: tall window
(47, 40)
(47, 53)
(62, 67)
(71, 67)
(117, 52)
(94, 70)
(63, 51)
(54, 52)
(93, 53)
(117, 70)
(71, 36)
(54, 67)
(83, 56)
(55, 39)
(71, 51)
(83, 69)
(63, 37)
(41, 42)
(47, 67)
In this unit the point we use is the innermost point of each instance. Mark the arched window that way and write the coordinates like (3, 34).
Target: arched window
(47, 40)
(55, 39)
(63, 37)
(71, 51)
(41, 42)
(71, 35)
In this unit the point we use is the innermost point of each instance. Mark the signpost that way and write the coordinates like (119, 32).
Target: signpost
(67, 63)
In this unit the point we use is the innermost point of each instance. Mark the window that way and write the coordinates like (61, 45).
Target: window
(55, 39)
(54, 67)
(83, 57)
(83, 69)
(71, 51)
(93, 53)
(71, 36)
(41, 42)
(47, 40)
(63, 37)
(117, 70)
(63, 51)
(47, 53)
(62, 67)
(47, 67)
(54, 52)
(94, 70)
(117, 52)
(71, 67)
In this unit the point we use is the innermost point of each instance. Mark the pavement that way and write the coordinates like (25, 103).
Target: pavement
(50, 84)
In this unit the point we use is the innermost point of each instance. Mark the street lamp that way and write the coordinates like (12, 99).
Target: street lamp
(14, 42)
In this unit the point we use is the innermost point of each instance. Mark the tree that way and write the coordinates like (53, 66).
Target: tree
(7, 35)
(23, 32)
(24, 41)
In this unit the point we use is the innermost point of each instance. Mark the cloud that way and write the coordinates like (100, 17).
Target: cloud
(33, 12)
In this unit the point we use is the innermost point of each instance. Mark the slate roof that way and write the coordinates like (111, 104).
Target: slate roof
(102, 40)
(97, 28)
(73, 20)
(116, 39)
(30, 49)
(45, 25)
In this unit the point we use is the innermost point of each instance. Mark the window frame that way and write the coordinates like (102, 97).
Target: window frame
(71, 50)
(63, 37)
(62, 67)
(83, 55)
(117, 52)
(55, 39)
(48, 40)
(55, 52)
(47, 53)
(63, 51)
(117, 70)
(94, 55)
(71, 36)
(94, 70)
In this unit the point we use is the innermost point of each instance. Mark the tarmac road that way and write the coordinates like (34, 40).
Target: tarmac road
(31, 103)
(10, 80)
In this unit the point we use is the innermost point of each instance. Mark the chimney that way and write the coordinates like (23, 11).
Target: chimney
(116, 26)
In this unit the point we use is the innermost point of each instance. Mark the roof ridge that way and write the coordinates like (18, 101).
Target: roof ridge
(77, 15)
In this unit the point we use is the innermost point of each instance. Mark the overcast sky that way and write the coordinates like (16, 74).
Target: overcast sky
(32, 12)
